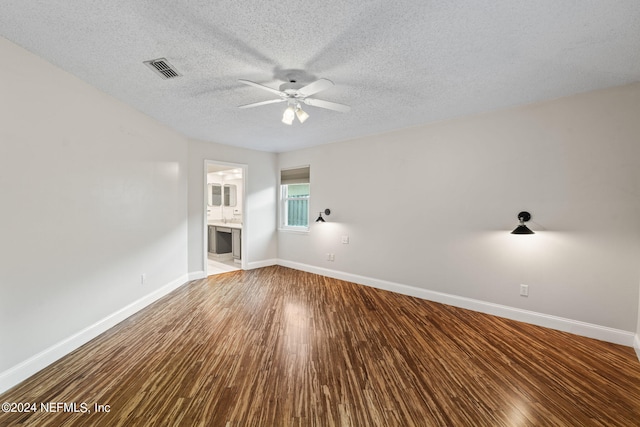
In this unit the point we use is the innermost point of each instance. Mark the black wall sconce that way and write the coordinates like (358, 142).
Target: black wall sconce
(326, 212)
(521, 228)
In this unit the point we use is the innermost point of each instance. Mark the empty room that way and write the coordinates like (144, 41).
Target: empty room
(340, 213)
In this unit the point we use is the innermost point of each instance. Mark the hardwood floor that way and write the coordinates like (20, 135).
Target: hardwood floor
(279, 347)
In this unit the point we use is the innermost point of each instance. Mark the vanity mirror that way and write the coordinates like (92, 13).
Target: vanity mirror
(215, 194)
(219, 195)
(230, 195)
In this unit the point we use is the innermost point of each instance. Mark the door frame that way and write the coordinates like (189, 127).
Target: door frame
(205, 234)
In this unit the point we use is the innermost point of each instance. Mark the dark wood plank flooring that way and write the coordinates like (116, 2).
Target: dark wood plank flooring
(279, 347)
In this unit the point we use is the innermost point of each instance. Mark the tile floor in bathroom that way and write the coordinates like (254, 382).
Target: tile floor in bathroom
(220, 265)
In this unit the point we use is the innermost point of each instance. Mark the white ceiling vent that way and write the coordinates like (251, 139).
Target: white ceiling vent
(162, 67)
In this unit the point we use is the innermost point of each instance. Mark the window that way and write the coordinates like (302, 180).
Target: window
(294, 198)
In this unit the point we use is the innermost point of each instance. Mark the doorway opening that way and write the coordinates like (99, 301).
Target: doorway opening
(224, 217)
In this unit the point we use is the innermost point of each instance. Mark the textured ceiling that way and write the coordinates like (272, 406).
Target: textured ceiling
(396, 63)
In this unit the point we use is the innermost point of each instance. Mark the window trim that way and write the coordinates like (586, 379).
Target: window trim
(282, 202)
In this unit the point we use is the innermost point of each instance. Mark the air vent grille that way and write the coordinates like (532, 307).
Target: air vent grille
(162, 68)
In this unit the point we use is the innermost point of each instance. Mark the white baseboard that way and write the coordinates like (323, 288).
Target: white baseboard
(197, 275)
(25, 369)
(576, 327)
(636, 345)
(264, 263)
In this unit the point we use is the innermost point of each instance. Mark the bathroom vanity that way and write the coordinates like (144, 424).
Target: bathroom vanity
(225, 238)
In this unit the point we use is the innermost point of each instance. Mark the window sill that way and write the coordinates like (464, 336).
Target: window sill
(297, 230)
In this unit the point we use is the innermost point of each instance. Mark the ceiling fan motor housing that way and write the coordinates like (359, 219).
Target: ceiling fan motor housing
(291, 87)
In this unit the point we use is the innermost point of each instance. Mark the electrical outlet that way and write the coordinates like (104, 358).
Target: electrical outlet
(331, 257)
(345, 240)
(143, 278)
(524, 290)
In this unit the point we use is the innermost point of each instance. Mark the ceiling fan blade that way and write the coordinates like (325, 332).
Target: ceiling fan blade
(257, 104)
(326, 104)
(315, 87)
(258, 85)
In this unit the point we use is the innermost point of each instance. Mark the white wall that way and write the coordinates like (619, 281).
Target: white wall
(431, 207)
(259, 214)
(94, 194)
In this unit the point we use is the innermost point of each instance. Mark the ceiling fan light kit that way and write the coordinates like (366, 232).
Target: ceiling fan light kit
(288, 116)
(293, 94)
(293, 111)
(301, 114)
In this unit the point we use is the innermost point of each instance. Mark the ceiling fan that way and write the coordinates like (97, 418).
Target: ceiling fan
(294, 93)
